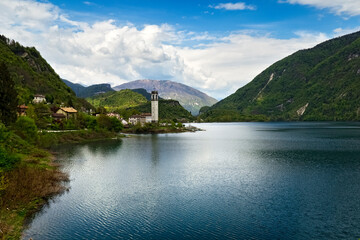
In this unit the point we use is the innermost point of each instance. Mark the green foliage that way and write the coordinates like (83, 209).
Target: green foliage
(117, 100)
(168, 109)
(109, 123)
(7, 160)
(26, 128)
(42, 115)
(33, 75)
(326, 77)
(8, 96)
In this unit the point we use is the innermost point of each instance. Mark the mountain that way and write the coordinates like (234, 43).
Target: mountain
(90, 91)
(127, 102)
(143, 92)
(33, 75)
(114, 100)
(190, 98)
(317, 84)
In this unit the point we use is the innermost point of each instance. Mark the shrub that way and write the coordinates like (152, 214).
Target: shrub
(109, 123)
(26, 128)
(7, 160)
(4, 132)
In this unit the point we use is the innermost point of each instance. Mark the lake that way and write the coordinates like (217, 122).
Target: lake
(232, 181)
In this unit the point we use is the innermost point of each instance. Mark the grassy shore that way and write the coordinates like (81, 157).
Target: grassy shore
(27, 185)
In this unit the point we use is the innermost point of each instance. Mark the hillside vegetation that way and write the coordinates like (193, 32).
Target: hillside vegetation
(168, 109)
(33, 75)
(190, 98)
(117, 100)
(318, 84)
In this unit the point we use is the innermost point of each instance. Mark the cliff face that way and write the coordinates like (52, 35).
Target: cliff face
(321, 83)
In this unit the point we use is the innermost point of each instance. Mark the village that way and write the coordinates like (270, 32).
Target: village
(58, 116)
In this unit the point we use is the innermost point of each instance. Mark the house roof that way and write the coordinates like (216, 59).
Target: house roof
(23, 107)
(39, 95)
(69, 109)
(146, 114)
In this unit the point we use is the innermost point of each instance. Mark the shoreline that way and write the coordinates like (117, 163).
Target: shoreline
(43, 180)
(36, 179)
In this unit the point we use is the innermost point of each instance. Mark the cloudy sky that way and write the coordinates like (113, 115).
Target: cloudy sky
(214, 46)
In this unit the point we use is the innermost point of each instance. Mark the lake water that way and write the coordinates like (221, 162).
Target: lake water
(232, 181)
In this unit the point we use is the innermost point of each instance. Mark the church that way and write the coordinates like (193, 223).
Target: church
(148, 117)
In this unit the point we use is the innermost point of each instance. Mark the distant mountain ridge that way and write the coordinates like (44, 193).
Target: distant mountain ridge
(317, 84)
(191, 99)
(89, 91)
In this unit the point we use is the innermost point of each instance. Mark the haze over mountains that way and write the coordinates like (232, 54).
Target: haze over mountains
(191, 99)
(321, 83)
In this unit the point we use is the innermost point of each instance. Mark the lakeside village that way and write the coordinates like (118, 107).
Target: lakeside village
(28, 177)
(68, 118)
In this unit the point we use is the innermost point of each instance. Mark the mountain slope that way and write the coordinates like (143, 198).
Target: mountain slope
(321, 83)
(89, 91)
(190, 98)
(168, 109)
(33, 75)
(116, 100)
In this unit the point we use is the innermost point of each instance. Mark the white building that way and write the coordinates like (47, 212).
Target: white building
(142, 119)
(154, 106)
(39, 98)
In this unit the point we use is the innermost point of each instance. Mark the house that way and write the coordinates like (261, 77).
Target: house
(38, 98)
(116, 115)
(22, 110)
(142, 119)
(58, 117)
(68, 112)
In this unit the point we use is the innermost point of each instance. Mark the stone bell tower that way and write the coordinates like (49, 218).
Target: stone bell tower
(154, 106)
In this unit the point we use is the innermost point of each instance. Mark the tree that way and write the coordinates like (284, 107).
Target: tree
(8, 96)
(26, 128)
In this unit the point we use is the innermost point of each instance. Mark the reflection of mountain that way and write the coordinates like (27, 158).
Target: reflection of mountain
(104, 148)
(190, 98)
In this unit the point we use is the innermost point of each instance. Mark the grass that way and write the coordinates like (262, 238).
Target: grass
(24, 190)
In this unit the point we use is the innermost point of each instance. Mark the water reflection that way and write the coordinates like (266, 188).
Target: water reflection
(235, 181)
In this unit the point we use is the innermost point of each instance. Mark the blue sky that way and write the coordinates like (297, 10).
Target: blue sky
(280, 18)
(215, 46)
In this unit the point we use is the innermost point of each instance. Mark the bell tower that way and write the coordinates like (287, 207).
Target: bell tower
(154, 106)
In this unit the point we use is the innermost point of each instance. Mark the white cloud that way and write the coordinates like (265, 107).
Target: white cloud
(234, 62)
(105, 52)
(348, 7)
(233, 6)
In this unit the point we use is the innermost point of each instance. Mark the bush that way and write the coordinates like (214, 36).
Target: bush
(26, 128)
(4, 132)
(109, 123)
(7, 160)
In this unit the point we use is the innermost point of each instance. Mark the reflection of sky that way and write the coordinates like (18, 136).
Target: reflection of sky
(250, 180)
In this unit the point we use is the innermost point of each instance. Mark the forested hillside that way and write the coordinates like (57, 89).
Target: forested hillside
(33, 75)
(321, 83)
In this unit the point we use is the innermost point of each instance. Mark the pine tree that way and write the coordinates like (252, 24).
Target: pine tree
(8, 96)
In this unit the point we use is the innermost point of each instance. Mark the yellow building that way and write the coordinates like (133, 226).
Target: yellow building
(68, 112)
